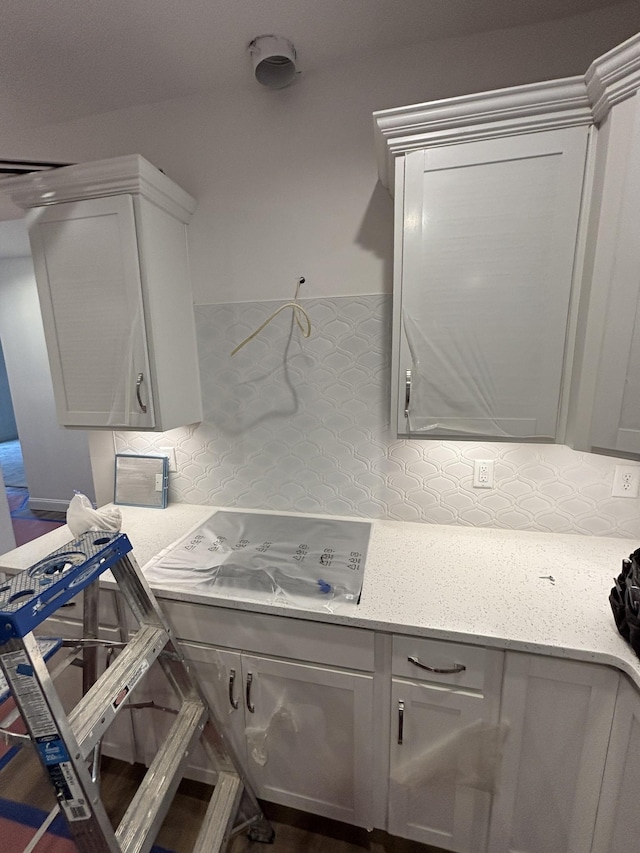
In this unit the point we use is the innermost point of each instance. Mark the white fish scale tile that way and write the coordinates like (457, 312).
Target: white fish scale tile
(303, 425)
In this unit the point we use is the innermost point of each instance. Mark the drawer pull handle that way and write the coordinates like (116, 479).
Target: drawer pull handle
(251, 708)
(457, 667)
(139, 381)
(400, 721)
(232, 678)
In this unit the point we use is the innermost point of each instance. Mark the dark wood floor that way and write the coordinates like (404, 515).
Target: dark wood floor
(296, 832)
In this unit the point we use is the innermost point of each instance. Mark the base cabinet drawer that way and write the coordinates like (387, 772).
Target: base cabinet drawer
(441, 662)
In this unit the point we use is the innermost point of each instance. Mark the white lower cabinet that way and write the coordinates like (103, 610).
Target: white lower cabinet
(302, 732)
(445, 740)
(309, 742)
(458, 746)
(618, 821)
(558, 716)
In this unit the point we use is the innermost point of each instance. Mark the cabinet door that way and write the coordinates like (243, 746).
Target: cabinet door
(309, 737)
(559, 716)
(488, 246)
(434, 730)
(219, 674)
(87, 269)
(616, 412)
(618, 820)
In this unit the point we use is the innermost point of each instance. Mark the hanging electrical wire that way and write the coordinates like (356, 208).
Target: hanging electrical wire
(298, 312)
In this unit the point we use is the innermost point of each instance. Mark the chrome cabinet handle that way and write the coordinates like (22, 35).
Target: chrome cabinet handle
(407, 392)
(232, 678)
(251, 708)
(400, 721)
(457, 667)
(139, 382)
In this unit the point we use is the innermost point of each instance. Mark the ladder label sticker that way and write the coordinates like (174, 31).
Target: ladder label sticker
(52, 750)
(122, 694)
(30, 697)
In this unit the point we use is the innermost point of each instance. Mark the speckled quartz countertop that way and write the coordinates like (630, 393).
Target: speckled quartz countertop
(474, 585)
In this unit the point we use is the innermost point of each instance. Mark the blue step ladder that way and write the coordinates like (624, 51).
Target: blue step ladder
(67, 745)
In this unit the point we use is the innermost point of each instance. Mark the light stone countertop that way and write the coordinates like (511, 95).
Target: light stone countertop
(474, 585)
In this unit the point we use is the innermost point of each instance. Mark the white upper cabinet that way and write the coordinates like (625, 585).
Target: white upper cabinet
(110, 255)
(488, 250)
(488, 191)
(517, 261)
(606, 397)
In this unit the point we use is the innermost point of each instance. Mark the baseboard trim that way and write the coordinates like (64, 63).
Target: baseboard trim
(48, 504)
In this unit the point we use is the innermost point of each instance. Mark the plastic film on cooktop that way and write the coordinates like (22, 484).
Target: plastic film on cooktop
(312, 563)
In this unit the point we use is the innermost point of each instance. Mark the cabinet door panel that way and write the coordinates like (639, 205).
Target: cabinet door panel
(488, 250)
(309, 738)
(616, 420)
(212, 668)
(618, 819)
(219, 674)
(87, 269)
(558, 715)
(440, 784)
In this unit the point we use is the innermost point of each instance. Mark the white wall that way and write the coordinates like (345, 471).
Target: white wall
(7, 539)
(286, 181)
(56, 460)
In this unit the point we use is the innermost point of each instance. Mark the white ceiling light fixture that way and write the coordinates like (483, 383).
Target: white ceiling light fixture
(274, 61)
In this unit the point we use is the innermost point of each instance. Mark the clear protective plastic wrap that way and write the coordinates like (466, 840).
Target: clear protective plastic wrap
(297, 561)
(469, 757)
(454, 388)
(488, 257)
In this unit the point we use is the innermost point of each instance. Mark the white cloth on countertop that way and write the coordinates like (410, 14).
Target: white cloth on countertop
(81, 516)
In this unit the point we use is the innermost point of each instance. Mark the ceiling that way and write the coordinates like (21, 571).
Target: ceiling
(66, 59)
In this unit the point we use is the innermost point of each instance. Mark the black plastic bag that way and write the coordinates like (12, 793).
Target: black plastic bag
(625, 601)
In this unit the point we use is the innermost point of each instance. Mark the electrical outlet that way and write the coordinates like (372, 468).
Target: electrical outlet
(626, 480)
(170, 452)
(483, 474)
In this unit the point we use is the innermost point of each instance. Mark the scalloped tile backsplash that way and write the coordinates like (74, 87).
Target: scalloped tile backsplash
(303, 425)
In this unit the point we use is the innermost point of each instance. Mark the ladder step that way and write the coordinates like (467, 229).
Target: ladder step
(151, 802)
(95, 712)
(218, 821)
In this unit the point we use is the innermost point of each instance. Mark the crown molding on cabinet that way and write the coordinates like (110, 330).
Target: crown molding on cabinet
(131, 174)
(549, 105)
(613, 77)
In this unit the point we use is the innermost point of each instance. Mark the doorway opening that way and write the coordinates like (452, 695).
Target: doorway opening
(27, 524)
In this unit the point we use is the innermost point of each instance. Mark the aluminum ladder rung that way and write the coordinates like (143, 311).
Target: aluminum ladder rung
(95, 712)
(217, 825)
(151, 802)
